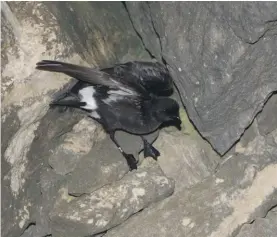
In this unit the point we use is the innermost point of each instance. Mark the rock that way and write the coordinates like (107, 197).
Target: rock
(267, 119)
(102, 32)
(186, 159)
(29, 231)
(50, 185)
(112, 204)
(244, 188)
(261, 227)
(31, 32)
(25, 97)
(75, 145)
(133, 144)
(103, 165)
(249, 134)
(222, 56)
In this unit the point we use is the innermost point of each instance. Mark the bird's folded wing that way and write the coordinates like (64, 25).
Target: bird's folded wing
(149, 77)
(85, 74)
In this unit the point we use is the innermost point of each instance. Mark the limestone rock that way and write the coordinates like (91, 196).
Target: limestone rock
(133, 144)
(261, 227)
(267, 119)
(244, 188)
(186, 159)
(33, 31)
(76, 144)
(222, 56)
(103, 165)
(112, 204)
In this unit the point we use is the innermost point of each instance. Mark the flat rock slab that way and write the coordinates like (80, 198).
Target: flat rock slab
(133, 144)
(222, 56)
(244, 188)
(103, 165)
(76, 144)
(186, 159)
(112, 204)
(262, 227)
(267, 119)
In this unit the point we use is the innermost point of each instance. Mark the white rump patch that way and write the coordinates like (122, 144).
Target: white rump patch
(86, 95)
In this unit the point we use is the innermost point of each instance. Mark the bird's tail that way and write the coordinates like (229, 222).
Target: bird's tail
(68, 100)
(92, 76)
(66, 68)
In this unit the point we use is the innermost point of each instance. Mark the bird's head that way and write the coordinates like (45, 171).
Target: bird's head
(167, 112)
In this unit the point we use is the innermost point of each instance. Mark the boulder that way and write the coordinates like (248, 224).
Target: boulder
(243, 189)
(112, 204)
(222, 56)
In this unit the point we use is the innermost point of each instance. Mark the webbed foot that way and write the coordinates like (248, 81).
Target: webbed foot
(149, 150)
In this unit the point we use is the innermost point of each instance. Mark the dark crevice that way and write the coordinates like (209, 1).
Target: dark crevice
(275, 206)
(260, 37)
(251, 222)
(270, 26)
(136, 31)
(28, 226)
(230, 150)
(175, 85)
(156, 32)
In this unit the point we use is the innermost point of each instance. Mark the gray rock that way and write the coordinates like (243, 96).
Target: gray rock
(222, 57)
(103, 165)
(50, 185)
(76, 144)
(112, 204)
(102, 32)
(31, 32)
(30, 231)
(25, 98)
(249, 134)
(186, 159)
(244, 188)
(267, 119)
(133, 144)
(261, 227)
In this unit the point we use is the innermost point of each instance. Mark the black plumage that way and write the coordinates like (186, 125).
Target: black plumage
(129, 97)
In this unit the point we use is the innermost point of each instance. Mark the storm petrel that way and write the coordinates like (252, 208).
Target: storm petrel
(132, 97)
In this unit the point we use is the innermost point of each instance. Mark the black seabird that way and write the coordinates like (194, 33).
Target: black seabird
(124, 97)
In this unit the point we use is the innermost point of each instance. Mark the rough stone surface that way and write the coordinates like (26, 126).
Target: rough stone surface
(186, 159)
(262, 227)
(223, 59)
(134, 144)
(102, 28)
(76, 144)
(32, 31)
(267, 120)
(103, 165)
(244, 188)
(222, 56)
(112, 204)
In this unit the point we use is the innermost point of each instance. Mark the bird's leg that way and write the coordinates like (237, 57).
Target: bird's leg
(131, 160)
(149, 150)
